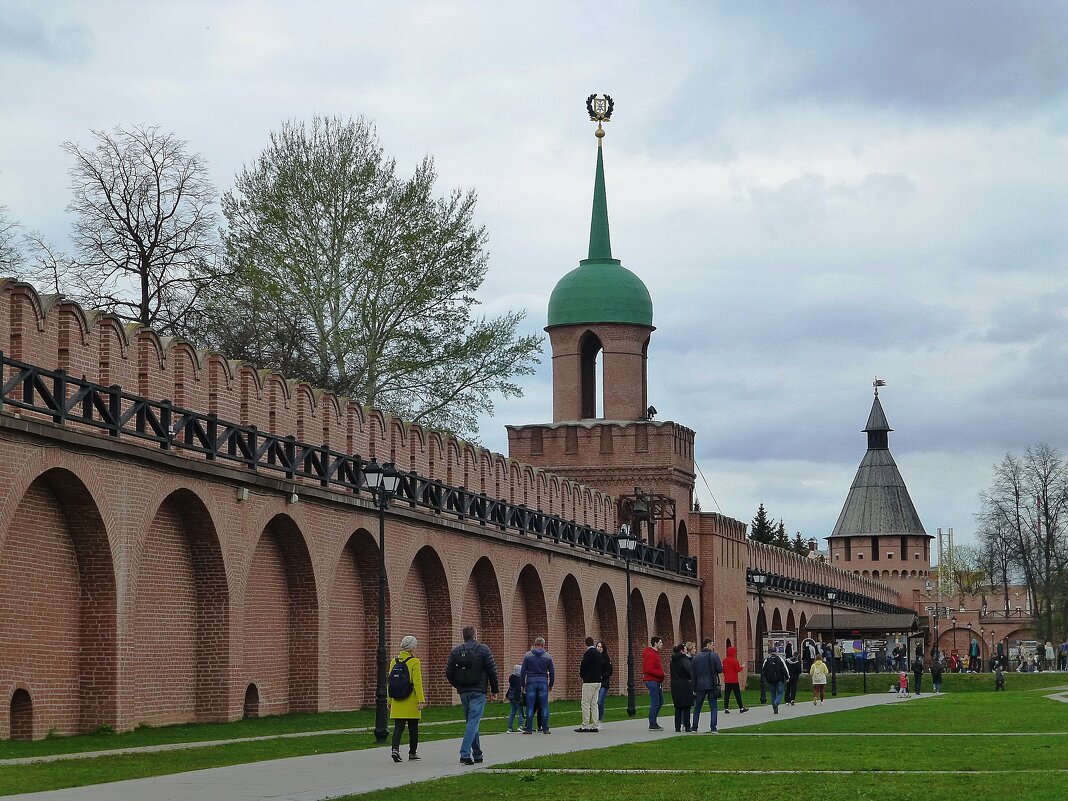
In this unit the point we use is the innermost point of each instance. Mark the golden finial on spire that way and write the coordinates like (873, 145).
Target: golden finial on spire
(600, 110)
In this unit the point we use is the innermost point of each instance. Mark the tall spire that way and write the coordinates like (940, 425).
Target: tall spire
(600, 241)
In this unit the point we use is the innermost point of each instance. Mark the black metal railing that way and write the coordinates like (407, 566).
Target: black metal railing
(818, 592)
(67, 400)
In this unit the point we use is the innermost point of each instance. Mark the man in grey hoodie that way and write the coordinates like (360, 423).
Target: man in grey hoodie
(538, 675)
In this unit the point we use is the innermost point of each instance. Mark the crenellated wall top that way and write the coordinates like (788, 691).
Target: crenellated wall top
(56, 334)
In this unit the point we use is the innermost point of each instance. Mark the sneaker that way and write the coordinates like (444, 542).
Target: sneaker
(466, 761)
(527, 731)
(414, 757)
(656, 727)
(744, 709)
(396, 756)
(479, 760)
(726, 711)
(713, 731)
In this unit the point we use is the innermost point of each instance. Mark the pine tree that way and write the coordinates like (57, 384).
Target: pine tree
(799, 545)
(761, 530)
(781, 540)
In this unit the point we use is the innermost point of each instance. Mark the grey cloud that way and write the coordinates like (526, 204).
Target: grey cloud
(22, 31)
(958, 57)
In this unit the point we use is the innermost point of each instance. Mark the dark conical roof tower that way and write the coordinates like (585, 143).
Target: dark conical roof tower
(878, 502)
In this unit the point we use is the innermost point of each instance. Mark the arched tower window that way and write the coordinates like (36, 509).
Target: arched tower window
(591, 383)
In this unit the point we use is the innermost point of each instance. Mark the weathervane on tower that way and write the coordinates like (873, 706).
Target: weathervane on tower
(878, 382)
(600, 110)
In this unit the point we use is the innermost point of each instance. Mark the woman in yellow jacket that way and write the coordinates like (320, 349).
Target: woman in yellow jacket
(818, 671)
(408, 709)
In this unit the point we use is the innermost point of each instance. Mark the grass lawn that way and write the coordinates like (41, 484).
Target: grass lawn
(829, 742)
(845, 754)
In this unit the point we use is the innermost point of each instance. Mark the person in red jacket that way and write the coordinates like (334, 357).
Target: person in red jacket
(653, 676)
(732, 668)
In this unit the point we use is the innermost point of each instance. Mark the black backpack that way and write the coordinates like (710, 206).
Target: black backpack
(772, 669)
(466, 669)
(400, 680)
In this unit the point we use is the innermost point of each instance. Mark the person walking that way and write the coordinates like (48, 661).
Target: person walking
(406, 699)
(732, 669)
(653, 676)
(936, 675)
(999, 678)
(606, 680)
(538, 675)
(518, 701)
(681, 686)
(774, 672)
(469, 668)
(590, 673)
(917, 671)
(793, 669)
(1050, 656)
(707, 667)
(819, 673)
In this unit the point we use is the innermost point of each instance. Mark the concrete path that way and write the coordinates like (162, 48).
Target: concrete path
(312, 778)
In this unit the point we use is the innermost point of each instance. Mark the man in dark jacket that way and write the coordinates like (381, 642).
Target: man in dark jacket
(469, 667)
(707, 667)
(538, 675)
(590, 673)
(774, 673)
(793, 668)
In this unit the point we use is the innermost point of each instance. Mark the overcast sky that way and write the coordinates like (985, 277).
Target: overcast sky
(814, 193)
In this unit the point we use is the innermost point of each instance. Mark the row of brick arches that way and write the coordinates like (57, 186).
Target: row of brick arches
(195, 612)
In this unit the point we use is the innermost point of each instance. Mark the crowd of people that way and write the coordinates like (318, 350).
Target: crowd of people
(698, 677)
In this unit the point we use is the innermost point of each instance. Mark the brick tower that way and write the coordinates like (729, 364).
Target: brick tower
(879, 533)
(600, 320)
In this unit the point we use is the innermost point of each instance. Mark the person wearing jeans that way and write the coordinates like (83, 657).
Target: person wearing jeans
(653, 676)
(606, 680)
(537, 674)
(707, 668)
(469, 668)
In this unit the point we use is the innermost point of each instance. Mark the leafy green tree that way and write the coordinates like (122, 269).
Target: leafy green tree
(761, 529)
(362, 281)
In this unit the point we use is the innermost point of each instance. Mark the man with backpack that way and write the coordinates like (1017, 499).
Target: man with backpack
(774, 672)
(469, 667)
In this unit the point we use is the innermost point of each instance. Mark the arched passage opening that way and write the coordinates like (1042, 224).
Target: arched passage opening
(606, 622)
(688, 622)
(776, 620)
(790, 623)
(569, 612)
(482, 608)
(21, 715)
(250, 709)
(428, 606)
(664, 627)
(282, 621)
(354, 623)
(181, 616)
(56, 546)
(591, 379)
(640, 624)
(528, 618)
(682, 540)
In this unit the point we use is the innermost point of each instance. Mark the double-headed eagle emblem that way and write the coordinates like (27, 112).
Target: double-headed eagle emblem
(600, 108)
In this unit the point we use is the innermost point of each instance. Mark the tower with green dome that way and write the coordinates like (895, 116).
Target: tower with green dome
(600, 309)
(603, 432)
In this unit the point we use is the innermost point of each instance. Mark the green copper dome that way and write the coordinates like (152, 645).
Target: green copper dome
(600, 289)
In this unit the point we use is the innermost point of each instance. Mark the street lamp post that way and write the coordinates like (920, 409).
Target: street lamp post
(982, 641)
(953, 620)
(759, 579)
(382, 480)
(628, 543)
(832, 595)
(970, 637)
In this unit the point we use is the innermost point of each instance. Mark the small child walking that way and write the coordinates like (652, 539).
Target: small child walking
(903, 684)
(516, 699)
(999, 678)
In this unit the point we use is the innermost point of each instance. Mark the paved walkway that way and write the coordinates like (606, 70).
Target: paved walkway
(312, 778)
